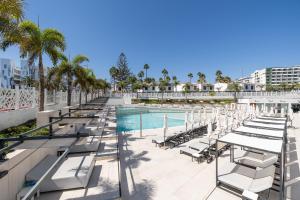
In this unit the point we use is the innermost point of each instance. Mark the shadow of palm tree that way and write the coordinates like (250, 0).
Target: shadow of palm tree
(129, 160)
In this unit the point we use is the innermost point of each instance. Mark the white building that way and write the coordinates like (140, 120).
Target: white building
(220, 87)
(277, 75)
(192, 87)
(7, 73)
(259, 77)
(29, 71)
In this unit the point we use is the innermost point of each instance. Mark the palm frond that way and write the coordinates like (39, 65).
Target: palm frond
(53, 39)
(77, 60)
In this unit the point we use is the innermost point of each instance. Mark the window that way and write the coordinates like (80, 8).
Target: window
(246, 87)
(146, 88)
(169, 88)
(5, 66)
(153, 88)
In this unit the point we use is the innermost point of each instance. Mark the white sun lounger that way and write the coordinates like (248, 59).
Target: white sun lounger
(264, 126)
(73, 172)
(260, 132)
(273, 118)
(268, 121)
(261, 160)
(245, 178)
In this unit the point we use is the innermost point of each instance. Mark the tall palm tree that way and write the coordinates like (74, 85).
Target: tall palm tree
(86, 80)
(175, 82)
(164, 73)
(190, 75)
(146, 67)
(34, 43)
(113, 71)
(70, 69)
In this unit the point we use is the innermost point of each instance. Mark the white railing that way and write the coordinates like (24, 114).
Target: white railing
(210, 95)
(14, 99)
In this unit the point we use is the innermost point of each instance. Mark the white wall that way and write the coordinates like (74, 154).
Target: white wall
(220, 87)
(20, 116)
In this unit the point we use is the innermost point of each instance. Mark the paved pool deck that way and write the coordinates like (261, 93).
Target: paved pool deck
(148, 172)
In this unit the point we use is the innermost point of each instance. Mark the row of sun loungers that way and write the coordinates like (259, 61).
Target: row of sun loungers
(254, 172)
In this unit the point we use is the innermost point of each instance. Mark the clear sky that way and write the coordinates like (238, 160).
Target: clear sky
(235, 36)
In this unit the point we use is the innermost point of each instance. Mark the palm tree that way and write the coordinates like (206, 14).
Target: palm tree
(164, 73)
(132, 80)
(141, 75)
(201, 78)
(34, 43)
(219, 76)
(190, 75)
(146, 67)
(11, 13)
(113, 71)
(175, 82)
(70, 69)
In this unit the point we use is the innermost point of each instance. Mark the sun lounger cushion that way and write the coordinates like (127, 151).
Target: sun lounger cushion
(199, 146)
(245, 178)
(258, 160)
(73, 172)
(188, 151)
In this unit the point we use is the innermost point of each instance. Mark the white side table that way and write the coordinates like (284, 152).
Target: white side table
(24, 191)
(248, 195)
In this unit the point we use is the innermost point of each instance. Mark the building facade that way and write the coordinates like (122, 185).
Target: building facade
(277, 75)
(7, 73)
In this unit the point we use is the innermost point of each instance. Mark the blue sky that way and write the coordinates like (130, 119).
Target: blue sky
(235, 36)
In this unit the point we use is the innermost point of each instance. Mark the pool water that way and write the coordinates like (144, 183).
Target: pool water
(128, 119)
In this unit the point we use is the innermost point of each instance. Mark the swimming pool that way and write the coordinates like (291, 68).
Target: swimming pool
(128, 118)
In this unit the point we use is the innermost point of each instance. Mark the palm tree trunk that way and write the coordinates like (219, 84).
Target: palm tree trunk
(80, 97)
(69, 90)
(86, 94)
(42, 83)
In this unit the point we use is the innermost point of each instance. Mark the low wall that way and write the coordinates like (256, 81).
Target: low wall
(16, 117)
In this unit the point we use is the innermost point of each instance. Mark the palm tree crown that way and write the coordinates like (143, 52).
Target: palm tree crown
(34, 43)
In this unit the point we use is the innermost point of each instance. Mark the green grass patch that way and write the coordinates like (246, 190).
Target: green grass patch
(17, 130)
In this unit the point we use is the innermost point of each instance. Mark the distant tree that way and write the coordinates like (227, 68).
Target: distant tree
(123, 69)
(113, 71)
(201, 78)
(234, 87)
(141, 75)
(187, 88)
(226, 79)
(190, 76)
(164, 73)
(219, 76)
(175, 82)
(132, 80)
(146, 67)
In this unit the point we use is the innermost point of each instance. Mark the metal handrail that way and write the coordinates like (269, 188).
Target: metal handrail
(35, 188)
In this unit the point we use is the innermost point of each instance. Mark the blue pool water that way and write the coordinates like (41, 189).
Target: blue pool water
(128, 119)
